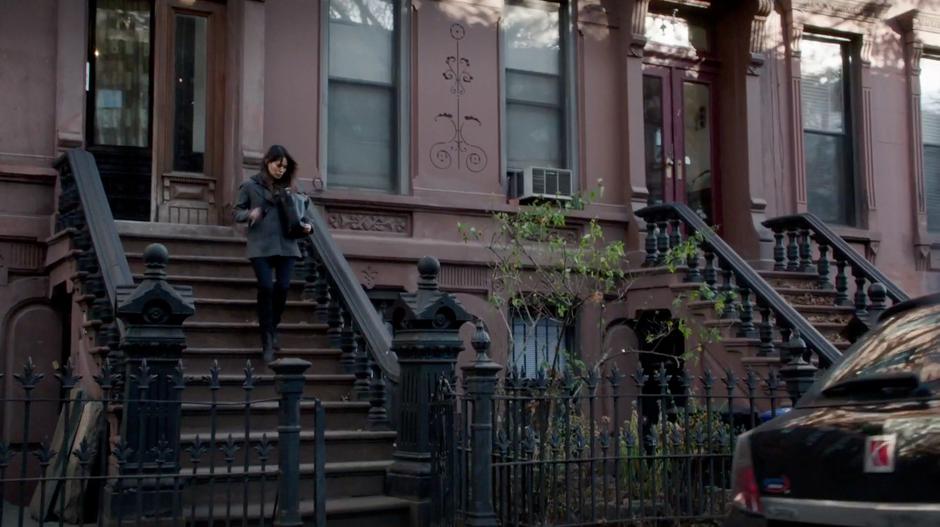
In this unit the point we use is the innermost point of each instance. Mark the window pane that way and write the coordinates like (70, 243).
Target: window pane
(189, 130)
(653, 136)
(122, 73)
(930, 100)
(535, 346)
(533, 135)
(361, 135)
(533, 87)
(362, 40)
(822, 66)
(932, 185)
(930, 129)
(698, 147)
(533, 38)
(829, 184)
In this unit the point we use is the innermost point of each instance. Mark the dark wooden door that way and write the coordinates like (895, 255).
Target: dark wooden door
(190, 81)
(680, 132)
(155, 106)
(119, 98)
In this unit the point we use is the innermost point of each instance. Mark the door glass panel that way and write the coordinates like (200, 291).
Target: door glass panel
(653, 135)
(697, 162)
(122, 73)
(189, 117)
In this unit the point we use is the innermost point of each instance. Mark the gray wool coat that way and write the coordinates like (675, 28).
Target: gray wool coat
(265, 236)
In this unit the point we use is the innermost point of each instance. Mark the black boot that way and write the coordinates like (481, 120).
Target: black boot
(279, 300)
(266, 323)
(267, 347)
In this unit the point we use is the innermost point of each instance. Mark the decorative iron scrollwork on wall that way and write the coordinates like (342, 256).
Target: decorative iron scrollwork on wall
(457, 149)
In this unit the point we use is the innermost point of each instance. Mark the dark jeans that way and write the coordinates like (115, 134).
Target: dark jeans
(274, 275)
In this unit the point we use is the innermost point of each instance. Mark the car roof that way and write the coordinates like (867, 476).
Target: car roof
(921, 301)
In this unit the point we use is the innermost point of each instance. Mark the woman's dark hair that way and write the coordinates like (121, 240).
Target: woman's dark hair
(277, 153)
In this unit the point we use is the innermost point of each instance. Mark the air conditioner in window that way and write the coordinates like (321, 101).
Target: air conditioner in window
(535, 183)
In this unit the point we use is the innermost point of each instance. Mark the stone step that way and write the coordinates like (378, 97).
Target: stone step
(343, 479)
(229, 266)
(187, 245)
(223, 287)
(230, 418)
(245, 311)
(790, 279)
(833, 314)
(233, 360)
(326, 387)
(341, 446)
(750, 347)
(808, 296)
(241, 335)
(372, 511)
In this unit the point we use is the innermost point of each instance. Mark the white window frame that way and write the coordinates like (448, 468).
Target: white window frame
(570, 97)
(402, 170)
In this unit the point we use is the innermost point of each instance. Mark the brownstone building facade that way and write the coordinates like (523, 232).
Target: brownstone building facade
(408, 116)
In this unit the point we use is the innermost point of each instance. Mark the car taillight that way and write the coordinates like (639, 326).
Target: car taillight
(743, 480)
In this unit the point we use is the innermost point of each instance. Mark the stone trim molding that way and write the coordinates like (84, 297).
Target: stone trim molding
(638, 27)
(369, 222)
(756, 46)
(857, 19)
(921, 31)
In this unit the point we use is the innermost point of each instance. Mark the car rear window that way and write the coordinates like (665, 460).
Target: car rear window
(908, 342)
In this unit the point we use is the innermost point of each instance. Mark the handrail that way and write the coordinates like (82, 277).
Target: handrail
(839, 246)
(746, 275)
(115, 271)
(357, 302)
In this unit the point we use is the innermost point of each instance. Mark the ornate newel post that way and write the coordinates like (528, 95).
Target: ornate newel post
(798, 374)
(426, 327)
(481, 383)
(152, 343)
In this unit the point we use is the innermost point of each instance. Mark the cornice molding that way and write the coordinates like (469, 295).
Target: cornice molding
(917, 22)
(867, 12)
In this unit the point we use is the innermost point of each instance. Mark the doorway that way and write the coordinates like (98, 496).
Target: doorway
(680, 143)
(153, 125)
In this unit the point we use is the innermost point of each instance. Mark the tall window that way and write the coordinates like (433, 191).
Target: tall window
(536, 84)
(930, 131)
(827, 128)
(538, 345)
(362, 94)
(120, 68)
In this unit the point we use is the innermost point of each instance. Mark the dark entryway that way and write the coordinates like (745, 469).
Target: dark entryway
(152, 126)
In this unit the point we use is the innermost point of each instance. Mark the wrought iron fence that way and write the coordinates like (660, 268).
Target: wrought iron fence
(593, 449)
(152, 442)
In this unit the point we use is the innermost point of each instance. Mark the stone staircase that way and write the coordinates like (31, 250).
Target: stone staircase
(658, 288)
(224, 332)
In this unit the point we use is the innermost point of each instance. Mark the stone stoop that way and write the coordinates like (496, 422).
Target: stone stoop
(657, 288)
(224, 331)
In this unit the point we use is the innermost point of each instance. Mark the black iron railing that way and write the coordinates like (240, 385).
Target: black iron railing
(807, 249)
(603, 447)
(668, 225)
(355, 326)
(193, 456)
(83, 211)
